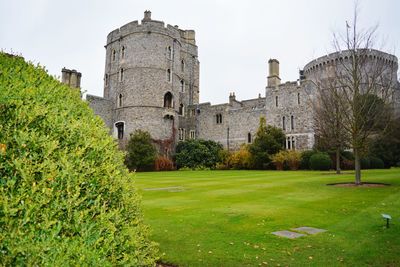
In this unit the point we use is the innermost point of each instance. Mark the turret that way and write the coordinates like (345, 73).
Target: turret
(273, 78)
(147, 16)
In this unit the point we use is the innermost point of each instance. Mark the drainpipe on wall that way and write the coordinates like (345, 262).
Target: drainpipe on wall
(227, 138)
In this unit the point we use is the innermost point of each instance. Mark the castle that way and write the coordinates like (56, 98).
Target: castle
(151, 83)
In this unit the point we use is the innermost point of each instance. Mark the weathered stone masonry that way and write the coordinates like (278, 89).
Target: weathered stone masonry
(151, 82)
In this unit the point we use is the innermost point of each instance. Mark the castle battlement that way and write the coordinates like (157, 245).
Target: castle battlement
(151, 26)
(334, 58)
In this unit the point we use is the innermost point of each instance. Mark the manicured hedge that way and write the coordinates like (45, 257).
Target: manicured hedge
(320, 161)
(66, 198)
(376, 163)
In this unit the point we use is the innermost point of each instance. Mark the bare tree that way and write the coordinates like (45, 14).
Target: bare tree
(355, 91)
(328, 118)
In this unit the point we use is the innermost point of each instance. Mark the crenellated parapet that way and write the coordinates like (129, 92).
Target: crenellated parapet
(320, 65)
(149, 26)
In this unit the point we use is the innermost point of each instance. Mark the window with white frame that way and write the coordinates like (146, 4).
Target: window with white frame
(119, 129)
(181, 134)
(192, 134)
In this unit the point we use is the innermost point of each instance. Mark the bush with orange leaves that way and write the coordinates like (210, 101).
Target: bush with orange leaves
(163, 163)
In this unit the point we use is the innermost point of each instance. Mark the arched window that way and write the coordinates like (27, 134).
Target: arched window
(113, 54)
(168, 100)
(249, 138)
(284, 123)
(120, 100)
(182, 86)
(120, 129)
(169, 52)
(121, 74)
(182, 65)
(168, 75)
(123, 52)
(292, 122)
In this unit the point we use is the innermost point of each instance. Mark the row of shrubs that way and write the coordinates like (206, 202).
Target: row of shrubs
(206, 154)
(283, 160)
(317, 160)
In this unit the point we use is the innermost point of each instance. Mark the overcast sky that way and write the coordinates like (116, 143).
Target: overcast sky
(235, 38)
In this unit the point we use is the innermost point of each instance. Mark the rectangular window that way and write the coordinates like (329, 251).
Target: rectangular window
(292, 122)
(182, 65)
(276, 101)
(170, 53)
(182, 86)
(298, 98)
(284, 123)
(219, 118)
(181, 133)
(192, 134)
(168, 75)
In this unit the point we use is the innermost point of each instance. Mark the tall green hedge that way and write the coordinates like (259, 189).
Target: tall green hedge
(65, 196)
(320, 161)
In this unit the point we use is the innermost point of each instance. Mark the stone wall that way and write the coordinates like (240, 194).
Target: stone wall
(103, 108)
(151, 77)
(237, 124)
(145, 61)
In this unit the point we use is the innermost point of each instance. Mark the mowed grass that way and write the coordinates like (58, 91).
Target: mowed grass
(225, 218)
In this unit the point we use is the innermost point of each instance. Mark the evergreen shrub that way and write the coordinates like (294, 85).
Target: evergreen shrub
(320, 161)
(66, 198)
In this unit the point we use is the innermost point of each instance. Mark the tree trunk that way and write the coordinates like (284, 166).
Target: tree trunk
(338, 161)
(357, 166)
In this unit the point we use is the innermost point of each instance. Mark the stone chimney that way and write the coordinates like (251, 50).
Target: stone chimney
(72, 78)
(232, 98)
(147, 15)
(273, 78)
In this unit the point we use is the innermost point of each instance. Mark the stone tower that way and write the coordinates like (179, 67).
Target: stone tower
(151, 77)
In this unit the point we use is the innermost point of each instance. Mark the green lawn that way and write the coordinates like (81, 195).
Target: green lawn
(225, 218)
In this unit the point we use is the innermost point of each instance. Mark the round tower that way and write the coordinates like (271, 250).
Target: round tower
(151, 75)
